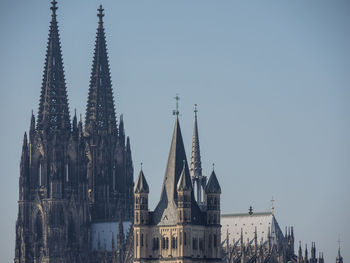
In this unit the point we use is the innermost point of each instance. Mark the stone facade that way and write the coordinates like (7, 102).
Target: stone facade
(74, 179)
(177, 230)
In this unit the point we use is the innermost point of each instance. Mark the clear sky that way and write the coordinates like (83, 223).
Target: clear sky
(271, 80)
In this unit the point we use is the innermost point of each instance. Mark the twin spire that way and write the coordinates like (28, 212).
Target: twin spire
(53, 115)
(100, 112)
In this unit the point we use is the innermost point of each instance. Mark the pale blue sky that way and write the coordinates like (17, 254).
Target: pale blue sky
(271, 79)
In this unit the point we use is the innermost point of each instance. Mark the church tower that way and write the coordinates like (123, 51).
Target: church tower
(177, 230)
(53, 215)
(110, 169)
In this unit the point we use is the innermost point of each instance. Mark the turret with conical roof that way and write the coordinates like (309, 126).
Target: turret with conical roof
(184, 188)
(213, 191)
(141, 214)
(141, 185)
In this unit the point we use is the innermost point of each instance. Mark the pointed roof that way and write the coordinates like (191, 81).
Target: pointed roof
(184, 183)
(53, 112)
(196, 165)
(176, 159)
(100, 112)
(166, 210)
(141, 185)
(25, 144)
(213, 185)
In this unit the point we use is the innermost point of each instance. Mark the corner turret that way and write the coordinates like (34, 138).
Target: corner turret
(184, 188)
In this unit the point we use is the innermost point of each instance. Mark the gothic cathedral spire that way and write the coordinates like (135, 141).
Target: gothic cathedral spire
(53, 112)
(100, 112)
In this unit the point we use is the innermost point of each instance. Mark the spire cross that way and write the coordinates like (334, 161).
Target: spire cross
(195, 110)
(141, 165)
(213, 166)
(339, 241)
(272, 205)
(54, 7)
(250, 210)
(176, 112)
(100, 13)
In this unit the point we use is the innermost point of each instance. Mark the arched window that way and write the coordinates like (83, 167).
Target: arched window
(71, 233)
(38, 234)
(215, 240)
(141, 240)
(113, 175)
(163, 243)
(167, 243)
(173, 242)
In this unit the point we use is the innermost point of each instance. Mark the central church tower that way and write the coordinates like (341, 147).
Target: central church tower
(177, 230)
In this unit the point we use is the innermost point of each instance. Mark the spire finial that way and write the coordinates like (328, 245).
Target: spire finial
(100, 13)
(272, 206)
(141, 165)
(213, 164)
(53, 7)
(339, 241)
(195, 110)
(176, 112)
(250, 210)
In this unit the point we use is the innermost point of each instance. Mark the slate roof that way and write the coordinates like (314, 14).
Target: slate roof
(184, 181)
(141, 185)
(213, 185)
(166, 210)
(263, 222)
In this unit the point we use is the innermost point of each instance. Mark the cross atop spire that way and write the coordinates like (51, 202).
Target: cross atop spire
(54, 7)
(272, 206)
(195, 110)
(100, 112)
(53, 112)
(176, 112)
(100, 14)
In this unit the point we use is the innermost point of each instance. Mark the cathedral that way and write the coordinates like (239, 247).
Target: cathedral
(78, 201)
(76, 180)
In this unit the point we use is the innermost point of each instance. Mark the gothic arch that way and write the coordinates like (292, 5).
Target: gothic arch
(72, 233)
(38, 231)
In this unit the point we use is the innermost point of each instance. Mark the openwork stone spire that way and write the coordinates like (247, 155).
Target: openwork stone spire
(196, 165)
(198, 180)
(53, 108)
(100, 113)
